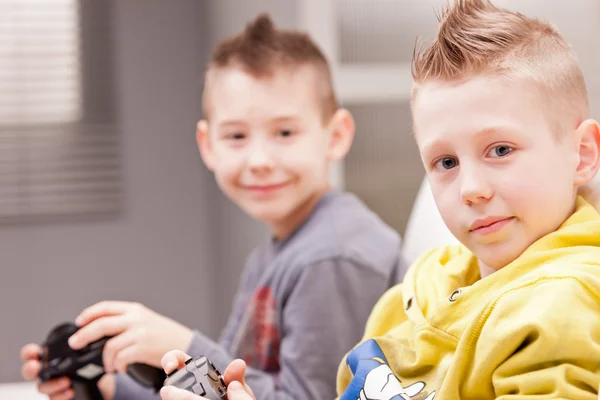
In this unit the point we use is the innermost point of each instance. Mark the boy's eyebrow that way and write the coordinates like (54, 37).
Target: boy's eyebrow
(286, 118)
(427, 147)
(232, 122)
(493, 129)
(238, 122)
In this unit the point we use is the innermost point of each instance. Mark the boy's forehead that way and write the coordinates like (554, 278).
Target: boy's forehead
(235, 93)
(473, 105)
(438, 94)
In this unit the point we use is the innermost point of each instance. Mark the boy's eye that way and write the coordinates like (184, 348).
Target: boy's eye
(236, 136)
(446, 163)
(500, 151)
(285, 132)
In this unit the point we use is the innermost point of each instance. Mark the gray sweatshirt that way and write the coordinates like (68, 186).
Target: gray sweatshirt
(303, 303)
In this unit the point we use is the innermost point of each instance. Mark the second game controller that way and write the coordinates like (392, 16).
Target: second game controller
(200, 377)
(84, 367)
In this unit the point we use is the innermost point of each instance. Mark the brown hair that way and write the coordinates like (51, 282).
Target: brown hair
(476, 38)
(262, 49)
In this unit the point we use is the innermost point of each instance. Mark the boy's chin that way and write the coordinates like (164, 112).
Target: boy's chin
(265, 213)
(276, 211)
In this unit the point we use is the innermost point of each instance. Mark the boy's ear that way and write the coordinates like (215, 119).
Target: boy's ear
(342, 129)
(204, 145)
(588, 133)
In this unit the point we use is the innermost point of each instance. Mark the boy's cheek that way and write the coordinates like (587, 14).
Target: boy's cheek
(451, 215)
(227, 166)
(305, 159)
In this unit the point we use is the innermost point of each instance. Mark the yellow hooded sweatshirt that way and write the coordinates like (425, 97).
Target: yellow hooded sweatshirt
(528, 331)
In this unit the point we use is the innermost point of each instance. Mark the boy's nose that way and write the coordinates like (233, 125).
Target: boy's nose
(475, 188)
(260, 160)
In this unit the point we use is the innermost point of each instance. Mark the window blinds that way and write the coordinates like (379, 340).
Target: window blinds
(59, 136)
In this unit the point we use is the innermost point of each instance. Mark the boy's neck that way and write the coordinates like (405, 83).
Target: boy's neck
(283, 229)
(485, 270)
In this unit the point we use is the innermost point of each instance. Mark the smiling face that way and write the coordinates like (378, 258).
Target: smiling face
(268, 145)
(500, 175)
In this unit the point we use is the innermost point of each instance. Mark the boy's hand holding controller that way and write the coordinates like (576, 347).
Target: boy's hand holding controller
(59, 389)
(237, 389)
(140, 336)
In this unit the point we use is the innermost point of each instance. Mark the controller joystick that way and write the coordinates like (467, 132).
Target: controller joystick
(201, 377)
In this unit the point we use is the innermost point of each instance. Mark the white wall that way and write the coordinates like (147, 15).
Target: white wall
(159, 251)
(579, 23)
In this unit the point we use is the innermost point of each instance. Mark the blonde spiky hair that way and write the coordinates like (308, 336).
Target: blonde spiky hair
(477, 38)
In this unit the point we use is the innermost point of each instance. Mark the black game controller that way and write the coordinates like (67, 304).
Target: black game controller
(200, 377)
(84, 367)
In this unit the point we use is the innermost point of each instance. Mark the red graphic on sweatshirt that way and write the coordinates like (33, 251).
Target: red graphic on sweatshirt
(260, 347)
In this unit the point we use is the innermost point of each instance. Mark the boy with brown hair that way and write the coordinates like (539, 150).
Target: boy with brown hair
(501, 119)
(272, 127)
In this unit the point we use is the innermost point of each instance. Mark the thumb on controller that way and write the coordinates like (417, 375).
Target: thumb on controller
(235, 378)
(174, 359)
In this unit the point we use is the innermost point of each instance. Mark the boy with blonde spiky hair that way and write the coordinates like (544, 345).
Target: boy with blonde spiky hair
(501, 119)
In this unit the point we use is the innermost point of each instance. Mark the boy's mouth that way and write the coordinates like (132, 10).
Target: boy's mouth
(489, 224)
(265, 188)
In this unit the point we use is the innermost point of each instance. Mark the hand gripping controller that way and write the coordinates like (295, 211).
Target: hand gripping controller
(84, 367)
(201, 377)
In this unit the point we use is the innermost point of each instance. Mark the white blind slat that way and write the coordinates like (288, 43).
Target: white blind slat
(59, 141)
(31, 31)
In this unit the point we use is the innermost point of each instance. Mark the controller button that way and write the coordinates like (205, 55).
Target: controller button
(66, 363)
(90, 371)
(200, 362)
(198, 389)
